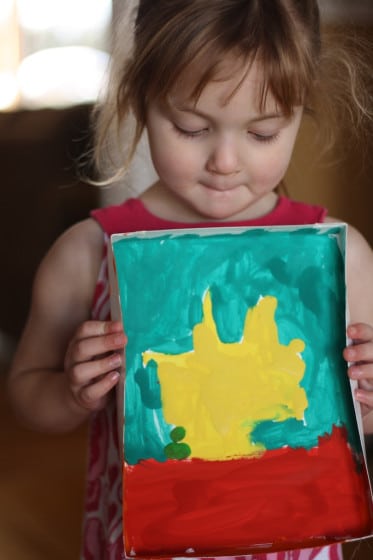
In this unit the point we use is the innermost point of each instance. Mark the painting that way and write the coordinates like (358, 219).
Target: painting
(239, 429)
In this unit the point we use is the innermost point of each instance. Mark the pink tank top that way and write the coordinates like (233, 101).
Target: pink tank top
(102, 529)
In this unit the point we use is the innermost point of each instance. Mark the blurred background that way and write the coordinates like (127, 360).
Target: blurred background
(54, 57)
(53, 53)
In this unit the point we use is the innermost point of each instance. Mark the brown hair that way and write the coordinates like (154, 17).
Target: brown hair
(169, 36)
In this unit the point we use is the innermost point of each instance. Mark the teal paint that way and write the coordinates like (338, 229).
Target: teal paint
(162, 282)
(147, 381)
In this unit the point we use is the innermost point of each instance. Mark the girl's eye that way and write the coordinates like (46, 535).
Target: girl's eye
(264, 138)
(189, 133)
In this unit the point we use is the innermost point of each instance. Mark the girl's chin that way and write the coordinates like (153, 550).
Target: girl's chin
(229, 210)
(222, 213)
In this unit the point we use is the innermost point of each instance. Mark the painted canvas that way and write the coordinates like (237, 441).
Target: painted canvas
(240, 433)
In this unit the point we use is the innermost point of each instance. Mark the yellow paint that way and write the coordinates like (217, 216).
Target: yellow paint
(218, 392)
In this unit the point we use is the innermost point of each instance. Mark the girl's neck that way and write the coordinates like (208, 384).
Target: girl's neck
(163, 204)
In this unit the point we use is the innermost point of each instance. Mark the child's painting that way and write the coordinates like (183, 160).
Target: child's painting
(240, 433)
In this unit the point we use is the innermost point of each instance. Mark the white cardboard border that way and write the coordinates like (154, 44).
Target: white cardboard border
(117, 315)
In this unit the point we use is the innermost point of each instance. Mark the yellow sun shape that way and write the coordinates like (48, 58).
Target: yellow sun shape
(218, 392)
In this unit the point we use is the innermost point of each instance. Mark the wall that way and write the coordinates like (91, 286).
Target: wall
(342, 11)
(343, 179)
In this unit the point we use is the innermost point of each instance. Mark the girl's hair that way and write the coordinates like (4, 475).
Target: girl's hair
(160, 40)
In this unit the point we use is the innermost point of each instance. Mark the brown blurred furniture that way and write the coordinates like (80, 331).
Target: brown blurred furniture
(41, 490)
(41, 476)
(41, 195)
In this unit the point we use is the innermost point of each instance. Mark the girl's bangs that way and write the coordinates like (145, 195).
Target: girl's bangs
(286, 80)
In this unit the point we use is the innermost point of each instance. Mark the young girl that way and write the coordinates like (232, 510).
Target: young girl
(221, 87)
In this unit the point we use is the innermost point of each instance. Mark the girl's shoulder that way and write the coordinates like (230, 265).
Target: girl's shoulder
(86, 234)
(359, 271)
(73, 261)
(358, 251)
(78, 245)
(357, 245)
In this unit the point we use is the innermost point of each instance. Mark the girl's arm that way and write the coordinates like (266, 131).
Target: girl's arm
(65, 364)
(360, 329)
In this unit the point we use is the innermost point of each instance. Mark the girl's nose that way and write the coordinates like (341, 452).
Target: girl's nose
(223, 158)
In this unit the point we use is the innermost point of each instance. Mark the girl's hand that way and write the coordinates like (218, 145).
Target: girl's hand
(92, 362)
(360, 354)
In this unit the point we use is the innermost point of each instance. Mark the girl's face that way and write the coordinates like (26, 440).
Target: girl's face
(220, 158)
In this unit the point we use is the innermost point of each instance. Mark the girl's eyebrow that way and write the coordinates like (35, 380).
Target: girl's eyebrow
(198, 113)
(267, 117)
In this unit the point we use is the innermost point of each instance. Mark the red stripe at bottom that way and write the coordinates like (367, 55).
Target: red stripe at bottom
(285, 499)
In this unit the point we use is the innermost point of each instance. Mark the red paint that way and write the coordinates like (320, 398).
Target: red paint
(288, 497)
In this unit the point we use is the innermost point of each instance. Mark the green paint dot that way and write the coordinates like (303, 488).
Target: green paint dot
(177, 434)
(177, 451)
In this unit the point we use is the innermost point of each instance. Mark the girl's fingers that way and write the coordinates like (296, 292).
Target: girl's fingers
(90, 329)
(94, 396)
(85, 349)
(360, 332)
(365, 398)
(92, 361)
(360, 355)
(362, 352)
(84, 372)
(361, 372)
